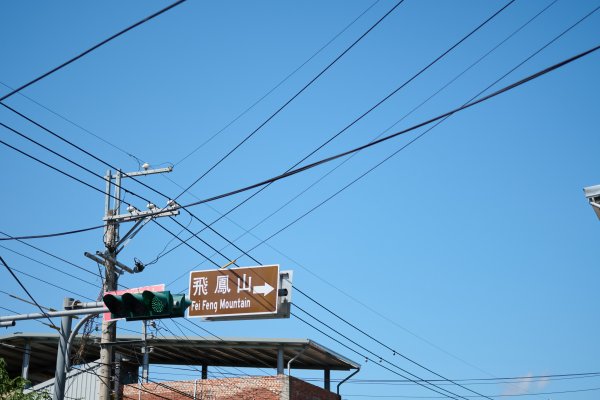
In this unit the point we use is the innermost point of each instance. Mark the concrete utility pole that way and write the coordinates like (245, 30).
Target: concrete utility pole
(109, 328)
(113, 217)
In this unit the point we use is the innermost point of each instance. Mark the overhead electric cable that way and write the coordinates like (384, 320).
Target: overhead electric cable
(51, 267)
(376, 363)
(370, 144)
(373, 396)
(386, 138)
(47, 253)
(276, 86)
(88, 170)
(417, 379)
(511, 35)
(127, 153)
(394, 135)
(49, 166)
(482, 381)
(25, 289)
(51, 284)
(394, 351)
(98, 176)
(420, 135)
(47, 235)
(439, 121)
(189, 245)
(380, 102)
(116, 35)
(16, 312)
(291, 99)
(393, 92)
(127, 191)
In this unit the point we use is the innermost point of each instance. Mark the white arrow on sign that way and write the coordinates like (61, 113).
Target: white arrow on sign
(264, 289)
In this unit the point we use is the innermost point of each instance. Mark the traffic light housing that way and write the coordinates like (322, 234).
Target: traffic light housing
(146, 305)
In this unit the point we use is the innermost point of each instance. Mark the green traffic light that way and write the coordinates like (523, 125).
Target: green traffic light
(146, 305)
(115, 305)
(159, 303)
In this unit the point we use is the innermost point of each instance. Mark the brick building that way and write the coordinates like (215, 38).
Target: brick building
(33, 357)
(281, 387)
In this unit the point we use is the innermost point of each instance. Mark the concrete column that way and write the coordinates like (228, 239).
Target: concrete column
(280, 360)
(26, 357)
(327, 379)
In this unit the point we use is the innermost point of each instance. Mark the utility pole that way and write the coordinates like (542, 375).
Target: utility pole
(109, 328)
(113, 217)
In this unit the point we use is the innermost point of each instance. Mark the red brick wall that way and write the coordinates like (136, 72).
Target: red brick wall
(247, 388)
(301, 390)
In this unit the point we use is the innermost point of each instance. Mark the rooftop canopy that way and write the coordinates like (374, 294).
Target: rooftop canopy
(210, 351)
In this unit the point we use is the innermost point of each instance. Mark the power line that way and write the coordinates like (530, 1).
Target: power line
(127, 191)
(496, 395)
(395, 352)
(527, 79)
(95, 174)
(47, 235)
(24, 289)
(87, 169)
(373, 143)
(439, 121)
(98, 176)
(76, 125)
(367, 358)
(318, 303)
(291, 99)
(52, 284)
(64, 158)
(356, 120)
(370, 144)
(190, 246)
(277, 85)
(51, 267)
(47, 253)
(485, 381)
(116, 35)
(391, 363)
(513, 86)
(410, 360)
(48, 165)
(394, 135)
(16, 312)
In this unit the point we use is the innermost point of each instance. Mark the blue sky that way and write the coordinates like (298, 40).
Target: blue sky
(475, 245)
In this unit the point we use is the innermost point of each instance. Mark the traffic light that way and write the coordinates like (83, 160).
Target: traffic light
(146, 305)
(180, 304)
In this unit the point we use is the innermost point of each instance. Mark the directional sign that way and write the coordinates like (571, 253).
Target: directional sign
(237, 291)
(153, 288)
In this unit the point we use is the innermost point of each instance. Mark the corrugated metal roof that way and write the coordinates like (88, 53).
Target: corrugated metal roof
(212, 351)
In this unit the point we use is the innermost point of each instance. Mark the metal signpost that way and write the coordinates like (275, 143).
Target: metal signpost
(239, 292)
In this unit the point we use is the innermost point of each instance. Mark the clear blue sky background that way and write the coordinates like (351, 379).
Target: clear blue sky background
(475, 245)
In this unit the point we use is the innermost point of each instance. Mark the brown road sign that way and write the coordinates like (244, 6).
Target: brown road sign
(237, 291)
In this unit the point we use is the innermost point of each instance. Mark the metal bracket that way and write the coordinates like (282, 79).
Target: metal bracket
(165, 212)
(145, 172)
